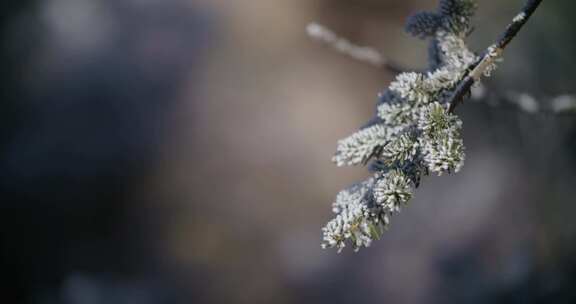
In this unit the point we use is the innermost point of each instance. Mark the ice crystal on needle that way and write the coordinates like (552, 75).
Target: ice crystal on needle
(356, 220)
(412, 135)
(393, 190)
(359, 147)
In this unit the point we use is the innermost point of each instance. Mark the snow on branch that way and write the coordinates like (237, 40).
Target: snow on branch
(415, 131)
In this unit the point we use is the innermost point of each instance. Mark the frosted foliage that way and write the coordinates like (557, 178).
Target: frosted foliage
(358, 147)
(355, 223)
(413, 136)
(393, 190)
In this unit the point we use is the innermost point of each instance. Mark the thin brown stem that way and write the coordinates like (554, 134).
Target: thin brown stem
(491, 54)
(363, 54)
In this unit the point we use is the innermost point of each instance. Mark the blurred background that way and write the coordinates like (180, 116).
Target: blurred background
(178, 151)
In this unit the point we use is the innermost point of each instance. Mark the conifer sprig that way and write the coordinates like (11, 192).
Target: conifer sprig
(414, 132)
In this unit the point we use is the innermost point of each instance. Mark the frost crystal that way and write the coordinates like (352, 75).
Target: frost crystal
(355, 222)
(519, 17)
(411, 86)
(444, 154)
(393, 190)
(435, 121)
(413, 133)
(395, 114)
(360, 146)
(442, 145)
(403, 148)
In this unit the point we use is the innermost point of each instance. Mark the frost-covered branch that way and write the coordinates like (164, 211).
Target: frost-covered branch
(344, 46)
(484, 65)
(414, 132)
(522, 101)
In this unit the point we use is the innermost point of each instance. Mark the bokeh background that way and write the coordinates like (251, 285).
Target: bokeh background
(178, 151)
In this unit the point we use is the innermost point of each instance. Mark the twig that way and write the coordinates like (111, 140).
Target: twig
(361, 53)
(526, 103)
(492, 53)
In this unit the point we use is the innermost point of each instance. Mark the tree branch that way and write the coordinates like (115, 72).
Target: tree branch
(360, 53)
(492, 53)
(524, 102)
